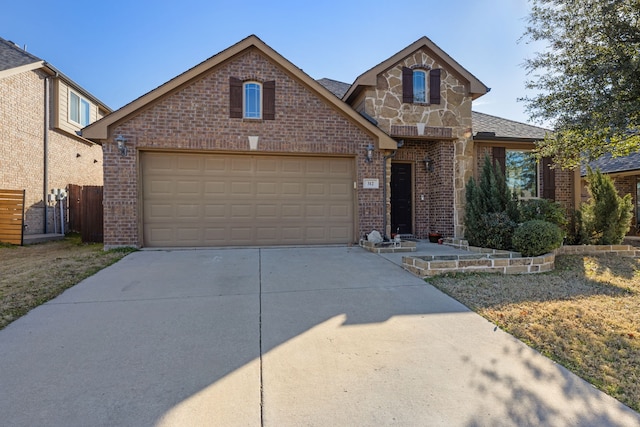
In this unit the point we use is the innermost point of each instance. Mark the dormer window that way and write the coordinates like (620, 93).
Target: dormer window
(420, 86)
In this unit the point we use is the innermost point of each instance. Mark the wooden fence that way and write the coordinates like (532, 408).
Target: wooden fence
(12, 216)
(86, 212)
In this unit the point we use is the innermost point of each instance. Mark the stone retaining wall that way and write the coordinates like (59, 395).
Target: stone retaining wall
(483, 260)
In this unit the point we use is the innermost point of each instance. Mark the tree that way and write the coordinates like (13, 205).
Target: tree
(606, 218)
(587, 78)
(491, 211)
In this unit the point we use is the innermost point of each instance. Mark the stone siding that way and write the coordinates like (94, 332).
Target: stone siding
(452, 159)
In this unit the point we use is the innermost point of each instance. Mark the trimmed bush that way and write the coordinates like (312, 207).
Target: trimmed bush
(544, 210)
(495, 230)
(536, 237)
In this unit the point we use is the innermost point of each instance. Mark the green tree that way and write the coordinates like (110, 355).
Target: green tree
(485, 199)
(606, 218)
(587, 78)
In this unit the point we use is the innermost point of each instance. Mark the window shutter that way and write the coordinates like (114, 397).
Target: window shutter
(235, 98)
(434, 86)
(548, 179)
(407, 85)
(269, 100)
(500, 156)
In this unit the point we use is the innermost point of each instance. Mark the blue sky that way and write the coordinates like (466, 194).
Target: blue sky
(119, 50)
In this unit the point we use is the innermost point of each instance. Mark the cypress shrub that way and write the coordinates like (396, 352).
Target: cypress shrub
(606, 217)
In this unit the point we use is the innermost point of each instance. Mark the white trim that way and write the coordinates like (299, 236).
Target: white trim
(244, 100)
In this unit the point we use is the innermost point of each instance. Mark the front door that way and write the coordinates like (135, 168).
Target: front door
(401, 209)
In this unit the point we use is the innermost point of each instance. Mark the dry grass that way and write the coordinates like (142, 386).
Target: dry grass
(585, 315)
(34, 274)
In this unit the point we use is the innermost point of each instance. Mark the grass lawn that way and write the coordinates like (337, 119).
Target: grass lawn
(585, 315)
(34, 274)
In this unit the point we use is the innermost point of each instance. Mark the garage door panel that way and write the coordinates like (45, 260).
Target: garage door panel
(234, 200)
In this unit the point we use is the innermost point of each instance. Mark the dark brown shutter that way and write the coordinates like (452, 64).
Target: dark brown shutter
(434, 86)
(500, 156)
(269, 100)
(235, 98)
(407, 85)
(548, 179)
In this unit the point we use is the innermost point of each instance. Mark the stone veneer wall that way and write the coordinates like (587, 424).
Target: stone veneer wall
(384, 103)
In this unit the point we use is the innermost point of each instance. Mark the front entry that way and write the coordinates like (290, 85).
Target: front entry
(401, 196)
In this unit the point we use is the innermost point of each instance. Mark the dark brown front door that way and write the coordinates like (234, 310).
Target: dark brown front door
(401, 210)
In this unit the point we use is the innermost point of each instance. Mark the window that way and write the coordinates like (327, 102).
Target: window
(252, 100)
(79, 109)
(521, 171)
(419, 86)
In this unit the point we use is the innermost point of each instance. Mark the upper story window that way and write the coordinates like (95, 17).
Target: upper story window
(521, 171)
(79, 109)
(251, 99)
(420, 86)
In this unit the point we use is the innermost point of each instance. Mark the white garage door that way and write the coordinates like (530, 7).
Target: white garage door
(229, 200)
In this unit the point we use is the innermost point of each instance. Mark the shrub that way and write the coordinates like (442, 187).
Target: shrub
(495, 230)
(606, 218)
(543, 210)
(537, 237)
(489, 196)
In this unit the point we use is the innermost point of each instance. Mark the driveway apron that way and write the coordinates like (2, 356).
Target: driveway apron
(314, 336)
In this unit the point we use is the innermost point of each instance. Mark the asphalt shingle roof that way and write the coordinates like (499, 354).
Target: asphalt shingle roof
(505, 128)
(12, 56)
(609, 164)
(335, 87)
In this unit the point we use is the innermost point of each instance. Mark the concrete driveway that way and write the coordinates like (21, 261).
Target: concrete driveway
(277, 337)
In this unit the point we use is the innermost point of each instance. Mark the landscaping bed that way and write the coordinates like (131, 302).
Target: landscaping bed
(585, 315)
(32, 275)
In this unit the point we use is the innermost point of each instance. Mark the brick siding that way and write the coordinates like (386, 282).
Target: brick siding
(22, 149)
(196, 117)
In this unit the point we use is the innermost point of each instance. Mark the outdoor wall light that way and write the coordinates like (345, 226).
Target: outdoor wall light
(428, 164)
(121, 145)
(369, 157)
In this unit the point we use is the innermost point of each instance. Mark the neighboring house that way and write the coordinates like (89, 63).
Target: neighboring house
(625, 172)
(246, 149)
(41, 114)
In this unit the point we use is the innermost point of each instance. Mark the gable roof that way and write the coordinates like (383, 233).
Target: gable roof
(490, 127)
(369, 78)
(100, 129)
(14, 59)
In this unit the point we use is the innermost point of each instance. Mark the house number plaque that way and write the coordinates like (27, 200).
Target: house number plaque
(370, 183)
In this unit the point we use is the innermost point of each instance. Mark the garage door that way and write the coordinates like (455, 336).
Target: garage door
(229, 200)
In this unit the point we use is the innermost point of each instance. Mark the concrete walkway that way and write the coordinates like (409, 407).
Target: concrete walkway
(277, 337)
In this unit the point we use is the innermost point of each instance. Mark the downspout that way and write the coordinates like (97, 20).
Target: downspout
(47, 123)
(45, 149)
(384, 192)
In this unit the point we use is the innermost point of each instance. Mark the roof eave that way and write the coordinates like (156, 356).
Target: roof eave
(100, 129)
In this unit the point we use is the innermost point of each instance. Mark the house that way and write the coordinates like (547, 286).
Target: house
(41, 114)
(625, 172)
(247, 149)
